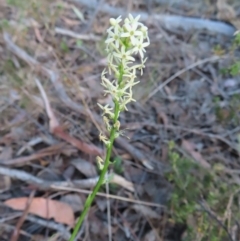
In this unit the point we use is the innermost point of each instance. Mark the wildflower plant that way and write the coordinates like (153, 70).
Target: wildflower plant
(125, 40)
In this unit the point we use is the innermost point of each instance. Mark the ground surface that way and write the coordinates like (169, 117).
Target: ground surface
(176, 177)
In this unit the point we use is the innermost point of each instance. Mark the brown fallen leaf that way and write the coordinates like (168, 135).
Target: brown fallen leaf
(188, 146)
(45, 208)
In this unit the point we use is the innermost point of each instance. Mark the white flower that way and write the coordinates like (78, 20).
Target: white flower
(140, 47)
(123, 55)
(109, 86)
(144, 31)
(104, 139)
(114, 37)
(140, 66)
(113, 67)
(107, 110)
(106, 122)
(131, 75)
(131, 32)
(100, 162)
(110, 58)
(131, 19)
(117, 125)
(126, 99)
(130, 84)
(114, 22)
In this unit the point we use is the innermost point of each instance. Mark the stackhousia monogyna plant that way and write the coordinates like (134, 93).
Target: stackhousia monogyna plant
(125, 40)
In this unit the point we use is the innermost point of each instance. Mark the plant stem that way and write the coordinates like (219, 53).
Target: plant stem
(91, 197)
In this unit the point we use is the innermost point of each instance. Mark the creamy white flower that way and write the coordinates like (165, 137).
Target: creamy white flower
(140, 47)
(100, 162)
(114, 37)
(124, 55)
(106, 110)
(130, 75)
(114, 22)
(126, 99)
(106, 122)
(140, 66)
(109, 86)
(104, 139)
(144, 31)
(131, 19)
(131, 32)
(113, 67)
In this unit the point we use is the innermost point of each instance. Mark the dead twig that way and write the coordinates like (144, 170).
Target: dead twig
(76, 35)
(26, 177)
(170, 22)
(43, 184)
(212, 215)
(50, 224)
(20, 222)
(202, 61)
(43, 153)
(66, 186)
(137, 125)
(10, 228)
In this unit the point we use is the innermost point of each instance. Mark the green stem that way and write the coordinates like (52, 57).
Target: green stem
(91, 197)
(121, 74)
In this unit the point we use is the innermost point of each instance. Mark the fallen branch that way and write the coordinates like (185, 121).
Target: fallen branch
(44, 184)
(21, 220)
(66, 186)
(20, 161)
(76, 35)
(220, 137)
(30, 179)
(171, 78)
(170, 22)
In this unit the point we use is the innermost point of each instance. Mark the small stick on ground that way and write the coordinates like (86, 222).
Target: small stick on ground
(48, 151)
(50, 224)
(76, 35)
(21, 220)
(46, 185)
(66, 186)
